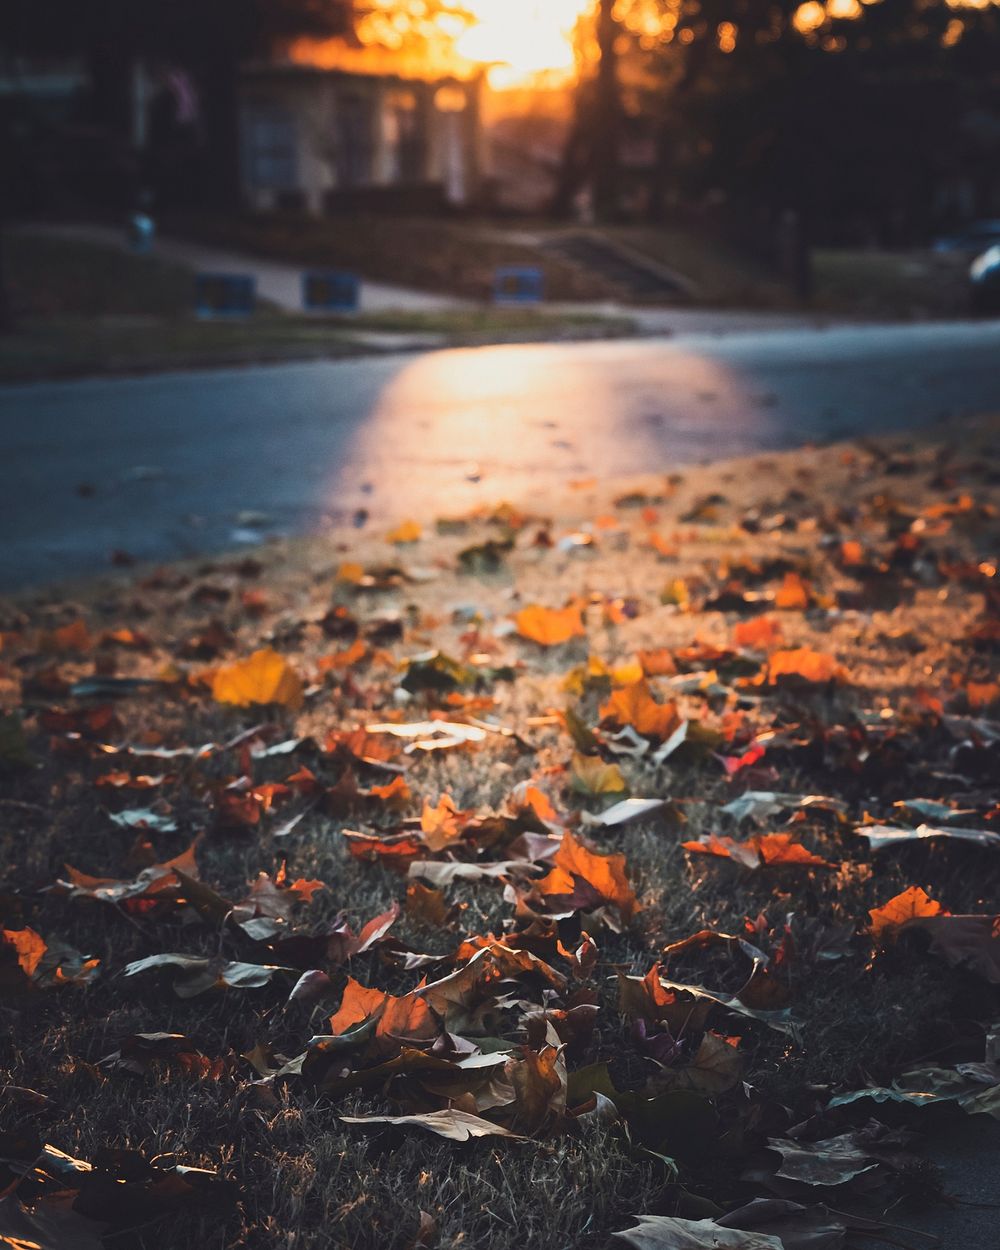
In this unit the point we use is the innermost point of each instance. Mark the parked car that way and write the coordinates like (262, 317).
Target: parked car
(971, 238)
(984, 276)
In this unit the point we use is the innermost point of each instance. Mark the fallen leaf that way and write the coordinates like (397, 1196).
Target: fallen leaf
(550, 627)
(664, 1232)
(590, 775)
(262, 678)
(912, 904)
(582, 879)
(454, 1125)
(636, 706)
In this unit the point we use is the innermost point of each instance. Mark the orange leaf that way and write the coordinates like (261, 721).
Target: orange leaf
(913, 904)
(357, 1005)
(805, 664)
(550, 626)
(602, 878)
(636, 706)
(28, 946)
(793, 593)
(443, 824)
(72, 637)
(407, 532)
(982, 693)
(761, 632)
(264, 677)
(658, 663)
(396, 794)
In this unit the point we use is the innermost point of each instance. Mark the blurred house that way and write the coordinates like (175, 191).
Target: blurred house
(326, 127)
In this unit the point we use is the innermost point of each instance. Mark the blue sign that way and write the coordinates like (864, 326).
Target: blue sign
(225, 294)
(519, 284)
(330, 291)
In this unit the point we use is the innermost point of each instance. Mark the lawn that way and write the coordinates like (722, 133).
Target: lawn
(455, 256)
(84, 309)
(458, 921)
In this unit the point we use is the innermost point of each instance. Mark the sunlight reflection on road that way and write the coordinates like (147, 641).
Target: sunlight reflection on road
(510, 416)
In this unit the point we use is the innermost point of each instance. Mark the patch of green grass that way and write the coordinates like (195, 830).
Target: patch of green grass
(51, 277)
(892, 284)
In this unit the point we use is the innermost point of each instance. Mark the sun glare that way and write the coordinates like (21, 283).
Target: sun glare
(522, 38)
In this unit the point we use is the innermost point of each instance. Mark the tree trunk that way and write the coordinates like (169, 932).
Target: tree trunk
(607, 117)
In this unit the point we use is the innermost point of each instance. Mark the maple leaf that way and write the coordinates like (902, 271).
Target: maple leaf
(590, 775)
(636, 706)
(586, 879)
(262, 678)
(550, 627)
(442, 825)
(912, 904)
(539, 1080)
(28, 947)
(768, 849)
(804, 664)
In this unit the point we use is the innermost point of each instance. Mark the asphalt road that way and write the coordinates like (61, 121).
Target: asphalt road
(178, 464)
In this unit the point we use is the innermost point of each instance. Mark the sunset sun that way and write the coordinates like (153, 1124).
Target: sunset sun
(522, 37)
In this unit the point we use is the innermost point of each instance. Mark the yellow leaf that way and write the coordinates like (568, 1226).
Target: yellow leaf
(407, 532)
(350, 572)
(264, 677)
(592, 776)
(550, 626)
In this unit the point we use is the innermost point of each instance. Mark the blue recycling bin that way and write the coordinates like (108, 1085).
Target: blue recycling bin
(225, 294)
(331, 290)
(518, 285)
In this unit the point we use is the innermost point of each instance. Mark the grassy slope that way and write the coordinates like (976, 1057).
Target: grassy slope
(311, 1182)
(85, 309)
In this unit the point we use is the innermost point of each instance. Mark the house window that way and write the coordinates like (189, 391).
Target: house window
(271, 148)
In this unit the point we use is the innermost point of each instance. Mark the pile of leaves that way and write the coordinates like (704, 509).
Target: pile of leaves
(658, 848)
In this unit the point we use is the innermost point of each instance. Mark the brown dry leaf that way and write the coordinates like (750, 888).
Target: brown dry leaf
(664, 1232)
(539, 1080)
(585, 879)
(426, 904)
(264, 677)
(636, 706)
(762, 850)
(912, 904)
(550, 627)
(405, 1021)
(152, 881)
(72, 637)
(659, 663)
(455, 1125)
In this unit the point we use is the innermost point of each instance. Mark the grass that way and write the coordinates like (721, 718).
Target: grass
(432, 254)
(83, 309)
(310, 1182)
